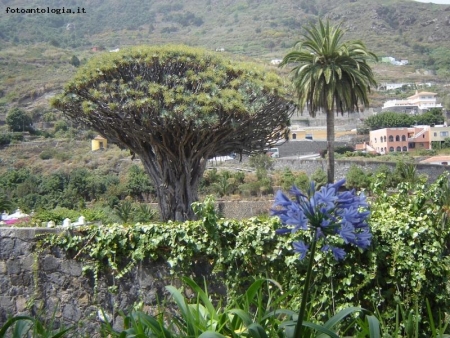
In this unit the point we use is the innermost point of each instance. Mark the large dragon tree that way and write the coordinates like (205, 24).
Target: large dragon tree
(175, 107)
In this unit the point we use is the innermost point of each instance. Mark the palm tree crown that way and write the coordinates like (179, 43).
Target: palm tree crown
(330, 75)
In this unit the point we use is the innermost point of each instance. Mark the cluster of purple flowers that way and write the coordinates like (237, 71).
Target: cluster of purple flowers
(327, 213)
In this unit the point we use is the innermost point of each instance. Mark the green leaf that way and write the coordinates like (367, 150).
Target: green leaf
(321, 329)
(211, 334)
(374, 327)
(244, 316)
(184, 309)
(257, 331)
(337, 318)
(23, 324)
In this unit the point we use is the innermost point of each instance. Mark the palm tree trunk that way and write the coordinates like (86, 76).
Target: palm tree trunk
(330, 146)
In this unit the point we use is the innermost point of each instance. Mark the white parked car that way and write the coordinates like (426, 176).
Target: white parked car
(273, 152)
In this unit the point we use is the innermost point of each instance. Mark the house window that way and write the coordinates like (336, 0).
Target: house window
(375, 140)
(397, 138)
(391, 138)
(443, 133)
(411, 145)
(403, 138)
(435, 134)
(399, 149)
(391, 148)
(294, 136)
(405, 148)
(385, 139)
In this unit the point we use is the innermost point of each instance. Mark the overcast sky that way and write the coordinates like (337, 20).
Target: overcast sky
(442, 2)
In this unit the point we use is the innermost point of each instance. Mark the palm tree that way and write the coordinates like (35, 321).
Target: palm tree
(330, 75)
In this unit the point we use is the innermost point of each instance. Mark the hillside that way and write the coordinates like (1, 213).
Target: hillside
(36, 49)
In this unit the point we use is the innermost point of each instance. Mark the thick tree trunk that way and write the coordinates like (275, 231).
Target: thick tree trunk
(330, 146)
(176, 184)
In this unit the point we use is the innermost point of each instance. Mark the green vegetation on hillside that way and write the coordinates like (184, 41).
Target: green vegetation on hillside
(37, 49)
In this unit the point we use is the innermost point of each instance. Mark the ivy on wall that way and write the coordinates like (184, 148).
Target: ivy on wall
(407, 264)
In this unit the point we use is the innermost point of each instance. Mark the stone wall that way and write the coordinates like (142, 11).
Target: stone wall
(243, 209)
(48, 282)
(295, 148)
(309, 166)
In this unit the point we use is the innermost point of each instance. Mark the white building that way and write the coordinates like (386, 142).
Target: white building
(417, 103)
(391, 86)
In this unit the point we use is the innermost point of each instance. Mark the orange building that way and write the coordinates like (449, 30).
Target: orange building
(400, 139)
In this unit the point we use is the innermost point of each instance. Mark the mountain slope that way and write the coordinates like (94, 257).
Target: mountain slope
(36, 49)
(249, 27)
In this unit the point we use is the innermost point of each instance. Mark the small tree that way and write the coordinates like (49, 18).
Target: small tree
(74, 61)
(175, 107)
(18, 120)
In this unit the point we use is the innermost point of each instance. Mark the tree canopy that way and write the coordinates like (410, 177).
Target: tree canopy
(330, 75)
(398, 120)
(18, 120)
(175, 107)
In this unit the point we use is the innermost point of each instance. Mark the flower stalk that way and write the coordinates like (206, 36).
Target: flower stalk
(301, 315)
(335, 219)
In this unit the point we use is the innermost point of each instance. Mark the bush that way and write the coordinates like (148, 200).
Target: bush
(357, 178)
(17, 136)
(427, 152)
(287, 179)
(61, 126)
(5, 139)
(18, 120)
(320, 177)
(261, 161)
(62, 156)
(343, 149)
(47, 154)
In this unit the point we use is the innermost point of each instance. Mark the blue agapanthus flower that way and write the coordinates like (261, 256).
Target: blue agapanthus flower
(334, 217)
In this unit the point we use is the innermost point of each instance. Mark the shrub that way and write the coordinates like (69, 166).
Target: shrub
(343, 149)
(18, 120)
(62, 156)
(320, 177)
(287, 179)
(261, 161)
(17, 136)
(61, 126)
(301, 181)
(427, 152)
(357, 178)
(5, 139)
(47, 154)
